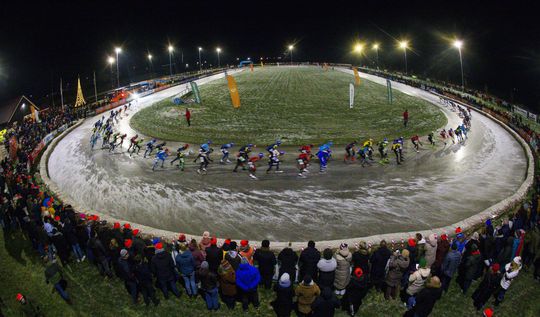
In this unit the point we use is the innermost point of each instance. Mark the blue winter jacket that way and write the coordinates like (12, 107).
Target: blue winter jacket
(451, 262)
(185, 263)
(247, 277)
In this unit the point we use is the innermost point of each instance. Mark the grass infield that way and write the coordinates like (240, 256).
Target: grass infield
(298, 105)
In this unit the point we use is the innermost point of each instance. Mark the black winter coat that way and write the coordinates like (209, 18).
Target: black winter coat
(283, 304)
(425, 301)
(214, 256)
(378, 263)
(266, 260)
(308, 262)
(288, 259)
(163, 266)
(325, 305)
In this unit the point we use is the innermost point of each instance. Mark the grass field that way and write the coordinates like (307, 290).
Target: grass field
(22, 271)
(298, 105)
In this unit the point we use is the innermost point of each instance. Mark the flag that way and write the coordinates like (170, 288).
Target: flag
(262, 65)
(356, 77)
(196, 92)
(389, 91)
(351, 95)
(251, 66)
(233, 89)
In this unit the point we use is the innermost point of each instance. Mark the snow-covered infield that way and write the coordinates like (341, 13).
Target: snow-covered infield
(466, 224)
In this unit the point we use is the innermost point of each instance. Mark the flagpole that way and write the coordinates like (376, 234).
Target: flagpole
(95, 88)
(61, 94)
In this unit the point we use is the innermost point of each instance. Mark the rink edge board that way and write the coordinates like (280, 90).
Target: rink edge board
(467, 225)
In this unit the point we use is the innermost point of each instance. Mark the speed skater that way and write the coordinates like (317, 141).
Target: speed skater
(252, 164)
(180, 156)
(225, 153)
(161, 155)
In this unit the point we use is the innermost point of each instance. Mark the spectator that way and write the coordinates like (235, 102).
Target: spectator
(163, 268)
(246, 251)
(343, 270)
(360, 258)
(61, 245)
(450, 266)
(405, 118)
(233, 257)
(54, 275)
(487, 287)
(227, 283)
(144, 277)
(204, 243)
(378, 260)
(431, 249)
(197, 254)
(420, 246)
(417, 280)
(213, 255)
(397, 265)
(186, 266)
(309, 258)
(283, 304)
(356, 291)
(247, 280)
(426, 298)
(472, 262)
(511, 272)
(188, 117)
(287, 259)
(327, 269)
(128, 275)
(28, 307)
(266, 260)
(209, 285)
(306, 292)
(325, 304)
(443, 246)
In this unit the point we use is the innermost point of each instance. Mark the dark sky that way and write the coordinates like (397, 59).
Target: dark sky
(41, 42)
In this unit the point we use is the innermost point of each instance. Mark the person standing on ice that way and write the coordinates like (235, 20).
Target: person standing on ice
(225, 151)
(149, 147)
(161, 155)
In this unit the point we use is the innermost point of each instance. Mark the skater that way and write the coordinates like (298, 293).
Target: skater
(443, 136)
(458, 134)
(324, 155)
(273, 160)
(272, 147)
(112, 144)
(350, 150)
(160, 146)
(302, 163)
(137, 146)
(366, 153)
(121, 142)
(430, 139)
(405, 118)
(383, 151)
(451, 135)
(149, 147)
(180, 156)
(161, 155)
(225, 151)
(416, 142)
(396, 147)
(132, 142)
(203, 158)
(252, 166)
(188, 117)
(242, 157)
(94, 138)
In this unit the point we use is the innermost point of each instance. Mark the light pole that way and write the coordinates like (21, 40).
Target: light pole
(358, 48)
(171, 49)
(218, 50)
(404, 45)
(291, 47)
(458, 44)
(200, 65)
(376, 49)
(110, 60)
(117, 50)
(150, 64)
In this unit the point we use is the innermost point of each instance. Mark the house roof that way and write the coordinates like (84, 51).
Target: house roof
(8, 109)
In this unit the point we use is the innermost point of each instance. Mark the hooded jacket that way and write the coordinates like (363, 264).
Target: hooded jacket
(431, 250)
(327, 272)
(417, 280)
(396, 267)
(185, 263)
(247, 277)
(266, 261)
(326, 304)
(163, 266)
(343, 275)
(451, 263)
(306, 295)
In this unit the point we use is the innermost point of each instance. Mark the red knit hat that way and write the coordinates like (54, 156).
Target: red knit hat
(458, 230)
(411, 242)
(488, 312)
(227, 241)
(159, 246)
(135, 232)
(116, 225)
(495, 267)
(182, 237)
(128, 243)
(127, 226)
(444, 237)
(213, 241)
(358, 272)
(57, 218)
(244, 243)
(19, 297)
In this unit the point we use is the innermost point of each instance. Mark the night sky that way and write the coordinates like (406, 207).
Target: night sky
(39, 43)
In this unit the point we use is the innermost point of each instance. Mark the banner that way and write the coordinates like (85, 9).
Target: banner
(520, 111)
(356, 77)
(389, 91)
(351, 95)
(196, 92)
(233, 89)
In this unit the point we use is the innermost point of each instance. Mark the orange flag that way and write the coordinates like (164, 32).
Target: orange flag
(233, 89)
(251, 67)
(356, 77)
